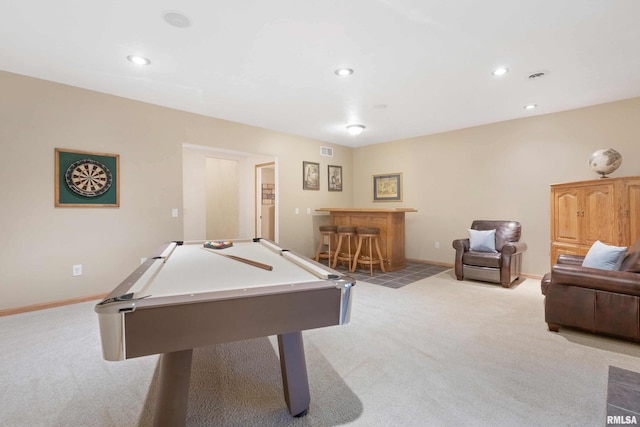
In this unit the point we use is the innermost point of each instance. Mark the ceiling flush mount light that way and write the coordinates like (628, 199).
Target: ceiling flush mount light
(500, 71)
(530, 106)
(343, 72)
(176, 19)
(139, 60)
(355, 129)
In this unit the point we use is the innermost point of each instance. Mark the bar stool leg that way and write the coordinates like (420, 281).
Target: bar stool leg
(335, 255)
(380, 255)
(317, 258)
(355, 257)
(370, 256)
(351, 260)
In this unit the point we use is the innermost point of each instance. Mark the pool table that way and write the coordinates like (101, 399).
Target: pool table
(188, 296)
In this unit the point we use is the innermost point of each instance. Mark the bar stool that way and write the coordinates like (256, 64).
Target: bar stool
(346, 233)
(327, 232)
(368, 236)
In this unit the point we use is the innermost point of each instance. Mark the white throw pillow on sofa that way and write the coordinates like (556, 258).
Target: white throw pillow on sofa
(482, 240)
(604, 257)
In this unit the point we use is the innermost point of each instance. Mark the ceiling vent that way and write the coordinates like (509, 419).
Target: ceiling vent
(326, 151)
(537, 75)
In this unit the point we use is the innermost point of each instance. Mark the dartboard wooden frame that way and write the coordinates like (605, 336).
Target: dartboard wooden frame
(86, 179)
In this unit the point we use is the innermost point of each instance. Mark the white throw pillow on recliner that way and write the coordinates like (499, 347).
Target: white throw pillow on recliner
(482, 240)
(604, 257)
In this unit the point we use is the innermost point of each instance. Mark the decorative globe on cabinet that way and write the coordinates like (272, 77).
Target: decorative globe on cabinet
(605, 161)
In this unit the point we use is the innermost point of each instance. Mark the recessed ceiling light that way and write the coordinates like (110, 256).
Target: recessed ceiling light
(355, 129)
(139, 60)
(500, 71)
(343, 72)
(176, 19)
(530, 106)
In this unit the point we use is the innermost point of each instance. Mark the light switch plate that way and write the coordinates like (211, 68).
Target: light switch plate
(77, 270)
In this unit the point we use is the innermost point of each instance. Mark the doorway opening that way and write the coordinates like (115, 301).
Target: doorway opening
(219, 193)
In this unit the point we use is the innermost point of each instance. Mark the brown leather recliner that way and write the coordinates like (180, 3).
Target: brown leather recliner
(599, 301)
(503, 266)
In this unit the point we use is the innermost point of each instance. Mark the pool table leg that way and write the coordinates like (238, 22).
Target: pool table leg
(173, 393)
(294, 373)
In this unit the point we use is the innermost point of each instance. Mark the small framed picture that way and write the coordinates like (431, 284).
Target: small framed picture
(86, 180)
(335, 178)
(387, 188)
(310, 176)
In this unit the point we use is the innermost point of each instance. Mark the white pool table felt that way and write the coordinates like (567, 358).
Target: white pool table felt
(193, 269)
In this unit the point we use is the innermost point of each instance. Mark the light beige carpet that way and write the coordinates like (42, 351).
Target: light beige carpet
(438, 352)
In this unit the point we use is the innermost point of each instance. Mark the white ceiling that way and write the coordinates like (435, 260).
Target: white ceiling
(421, 66)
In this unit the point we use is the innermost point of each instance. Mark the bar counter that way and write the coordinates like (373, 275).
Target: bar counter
(389, 221)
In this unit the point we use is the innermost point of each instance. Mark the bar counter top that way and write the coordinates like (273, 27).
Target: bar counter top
(367, 209)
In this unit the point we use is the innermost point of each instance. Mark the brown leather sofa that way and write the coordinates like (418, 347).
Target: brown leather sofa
(599, 301)
(503, 266)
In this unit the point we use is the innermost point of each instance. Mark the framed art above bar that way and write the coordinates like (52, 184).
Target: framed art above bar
(387, 188)
(335, 178)
(310, 176)
(86, 180)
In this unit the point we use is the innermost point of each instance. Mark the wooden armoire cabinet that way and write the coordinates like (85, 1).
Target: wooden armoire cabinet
(606, 209)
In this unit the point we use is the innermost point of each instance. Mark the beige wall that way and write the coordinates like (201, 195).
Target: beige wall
(496, 171)
(40, 243)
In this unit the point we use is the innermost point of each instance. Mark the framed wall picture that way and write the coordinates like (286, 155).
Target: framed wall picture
(86, 180)
(310, 176)
(387, 188)
(335, 178)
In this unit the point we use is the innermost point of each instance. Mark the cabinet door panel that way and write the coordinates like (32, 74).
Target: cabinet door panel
(566, 219)
(632, 210)
(599, 220)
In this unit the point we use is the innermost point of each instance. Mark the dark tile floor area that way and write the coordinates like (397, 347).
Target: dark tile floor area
(413, 272)
(623, 396)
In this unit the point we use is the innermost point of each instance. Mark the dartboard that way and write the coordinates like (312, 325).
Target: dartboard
(88, 178)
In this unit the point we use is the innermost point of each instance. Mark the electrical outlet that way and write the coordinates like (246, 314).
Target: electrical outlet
(297, 211)
(437, 245)
(308, 211)
(77, 270)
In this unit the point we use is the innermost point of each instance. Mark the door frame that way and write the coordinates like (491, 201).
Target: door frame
(258, 198)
